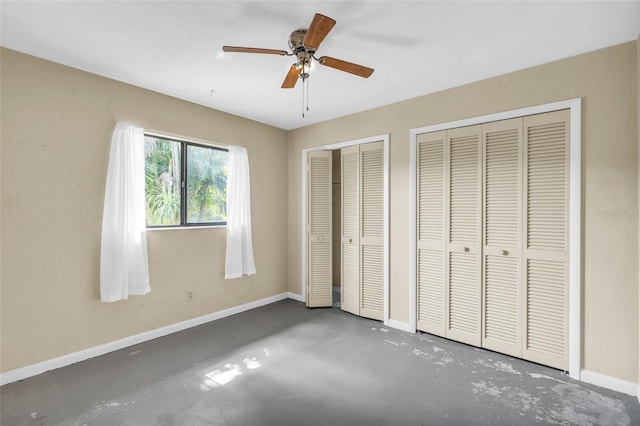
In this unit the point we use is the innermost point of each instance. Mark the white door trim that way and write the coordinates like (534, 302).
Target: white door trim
(575, 259)
(385, 139)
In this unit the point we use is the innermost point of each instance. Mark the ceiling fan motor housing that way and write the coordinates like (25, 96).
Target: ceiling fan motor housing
(302, 52)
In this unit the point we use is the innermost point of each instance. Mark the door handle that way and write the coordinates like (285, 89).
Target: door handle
(466, 249)
(505, 253)
(350, 240)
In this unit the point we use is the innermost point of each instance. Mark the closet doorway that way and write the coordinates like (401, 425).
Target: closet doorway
(345, 219)
(495, 252)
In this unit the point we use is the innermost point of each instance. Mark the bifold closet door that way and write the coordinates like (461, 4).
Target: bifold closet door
(492, 236)
(371, 230)
(502, 301)
(464, 204)
(545, 253)
(449, 202)
(319, 293)
(431, 232)
(350, 294)
(362, 230)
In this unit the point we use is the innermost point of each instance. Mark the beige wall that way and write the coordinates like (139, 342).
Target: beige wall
(606, 81)
(56, 131)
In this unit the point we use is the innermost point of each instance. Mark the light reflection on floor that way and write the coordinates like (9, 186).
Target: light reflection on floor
(229, 371)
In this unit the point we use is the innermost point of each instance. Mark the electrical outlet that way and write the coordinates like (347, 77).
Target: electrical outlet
(189, 295)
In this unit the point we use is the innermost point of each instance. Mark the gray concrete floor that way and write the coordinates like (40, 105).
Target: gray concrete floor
(283, 364)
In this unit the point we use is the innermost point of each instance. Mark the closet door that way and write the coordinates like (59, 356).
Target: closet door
(502, 145)
(431, 244)
(319, 293)
(371, 230)
(350, 253)
(464, 188)
(545, 253)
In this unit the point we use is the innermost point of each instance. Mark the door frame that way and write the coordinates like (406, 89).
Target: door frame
(339, 145)
(575, 210)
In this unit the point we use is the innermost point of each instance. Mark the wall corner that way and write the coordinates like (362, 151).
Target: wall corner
(638, 179)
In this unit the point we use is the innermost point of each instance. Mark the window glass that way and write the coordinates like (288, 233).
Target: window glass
(206, 184)
(162, 181)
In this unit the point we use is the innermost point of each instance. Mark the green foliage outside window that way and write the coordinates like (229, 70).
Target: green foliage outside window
(206, 185)
(205, 178)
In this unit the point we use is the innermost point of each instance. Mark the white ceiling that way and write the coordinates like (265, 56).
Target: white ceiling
(416, 47)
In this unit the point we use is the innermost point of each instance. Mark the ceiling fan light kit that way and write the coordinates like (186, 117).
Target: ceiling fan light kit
(303, 44)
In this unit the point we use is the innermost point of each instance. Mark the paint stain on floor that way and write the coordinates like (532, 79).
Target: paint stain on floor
(581, 406)
(556, 401)
(536, 397)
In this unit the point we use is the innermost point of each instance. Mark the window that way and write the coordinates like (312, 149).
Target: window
(185, 183)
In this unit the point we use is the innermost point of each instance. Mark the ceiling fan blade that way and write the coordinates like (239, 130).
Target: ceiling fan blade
(292, 77)
(349, 67)
(318, 30)
(254, 50)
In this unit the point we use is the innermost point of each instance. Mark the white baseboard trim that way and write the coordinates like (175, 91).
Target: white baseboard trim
(295, 296)
(399, 325)
(609, 382)
(72, 358)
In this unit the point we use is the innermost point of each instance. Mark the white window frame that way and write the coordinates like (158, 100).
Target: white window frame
(191, 142)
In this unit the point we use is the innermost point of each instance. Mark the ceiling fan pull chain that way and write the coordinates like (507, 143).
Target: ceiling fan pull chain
(307, 81)
(302, 98)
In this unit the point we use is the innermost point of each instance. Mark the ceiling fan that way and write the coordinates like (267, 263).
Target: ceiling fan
(304, 44)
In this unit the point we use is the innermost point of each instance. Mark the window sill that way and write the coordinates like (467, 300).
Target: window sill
(177, 228)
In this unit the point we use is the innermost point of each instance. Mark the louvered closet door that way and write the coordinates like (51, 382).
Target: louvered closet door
(431, 244)
(371, 230)
(545, 254)
(350, 295)
(463, 305)
(501, 326)
(319, 293)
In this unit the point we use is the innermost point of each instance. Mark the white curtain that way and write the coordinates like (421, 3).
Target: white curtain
(239, 245)
(123, 258)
